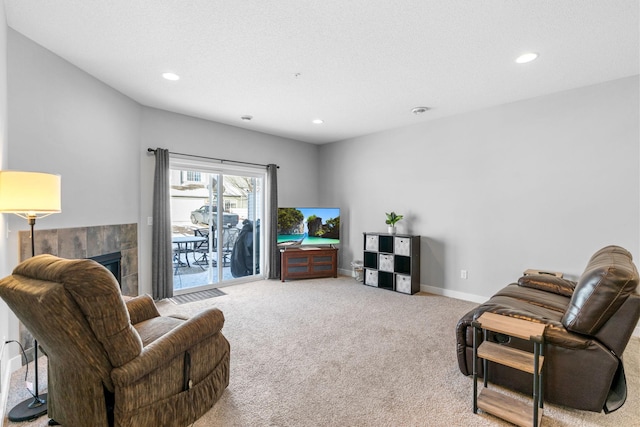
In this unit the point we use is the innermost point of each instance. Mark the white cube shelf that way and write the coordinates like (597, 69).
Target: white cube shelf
(392, 262)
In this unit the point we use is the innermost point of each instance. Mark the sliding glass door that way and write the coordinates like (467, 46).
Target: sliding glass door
(216, 212)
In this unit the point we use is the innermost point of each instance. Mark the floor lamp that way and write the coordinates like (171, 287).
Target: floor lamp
(30, 195)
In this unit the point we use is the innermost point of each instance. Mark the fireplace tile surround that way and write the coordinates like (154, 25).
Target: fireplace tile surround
(84, 242)
(87, 242)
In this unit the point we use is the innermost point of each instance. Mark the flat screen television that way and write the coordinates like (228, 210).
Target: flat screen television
(308, 226)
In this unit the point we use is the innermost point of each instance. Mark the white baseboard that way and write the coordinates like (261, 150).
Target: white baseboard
(478, 299)
(13, 365)
(433, 290)
(345, 272)
(6, 378)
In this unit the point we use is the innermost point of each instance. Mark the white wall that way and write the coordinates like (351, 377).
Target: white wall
(541, 183)
(64, 121)
(4, 143)
(61, 120)
(297, 175)
(4, 269)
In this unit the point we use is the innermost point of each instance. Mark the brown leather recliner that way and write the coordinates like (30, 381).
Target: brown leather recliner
(589, 323)
(111, 362)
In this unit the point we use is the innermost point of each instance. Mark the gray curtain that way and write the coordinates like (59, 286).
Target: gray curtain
(161, 252)
(273, 272)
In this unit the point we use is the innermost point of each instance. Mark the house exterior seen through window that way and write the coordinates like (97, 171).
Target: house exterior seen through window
(206, 255)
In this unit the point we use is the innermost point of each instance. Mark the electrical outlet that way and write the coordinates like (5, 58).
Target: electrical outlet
(463, 274)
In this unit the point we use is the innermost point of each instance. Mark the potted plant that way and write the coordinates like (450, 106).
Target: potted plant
(392, 219)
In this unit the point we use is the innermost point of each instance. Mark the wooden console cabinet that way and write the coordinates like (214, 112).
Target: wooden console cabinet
(307, 263)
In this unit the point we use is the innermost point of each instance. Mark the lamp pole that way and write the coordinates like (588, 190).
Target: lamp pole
(36, 407)
(29, 195)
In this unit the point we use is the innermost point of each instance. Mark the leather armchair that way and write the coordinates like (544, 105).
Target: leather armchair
(112, 362)
(589, 323)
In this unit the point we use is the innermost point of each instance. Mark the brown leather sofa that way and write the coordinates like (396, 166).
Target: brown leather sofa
(589, 323)
(111, 362)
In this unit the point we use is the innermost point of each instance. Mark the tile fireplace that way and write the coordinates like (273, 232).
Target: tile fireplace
(91, 242)
(114, 246)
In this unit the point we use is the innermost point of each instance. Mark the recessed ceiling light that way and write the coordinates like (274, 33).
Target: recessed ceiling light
(171, 76)
(246, 118)
(318, 121)
(419, 110)
(526, 57)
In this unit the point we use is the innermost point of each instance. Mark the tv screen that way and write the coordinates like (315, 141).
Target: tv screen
(308, 226)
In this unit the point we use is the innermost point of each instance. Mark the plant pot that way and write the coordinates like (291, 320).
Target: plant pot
(391, 229)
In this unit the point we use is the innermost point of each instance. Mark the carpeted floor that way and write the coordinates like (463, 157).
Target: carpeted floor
(333, 352)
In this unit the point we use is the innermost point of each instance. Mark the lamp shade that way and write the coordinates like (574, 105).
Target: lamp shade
(29, 193)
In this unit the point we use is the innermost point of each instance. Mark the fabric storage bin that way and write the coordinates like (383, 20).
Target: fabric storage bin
(403, 283)
(371, 278)
(371, 243)
(385, 262)
(402, 246)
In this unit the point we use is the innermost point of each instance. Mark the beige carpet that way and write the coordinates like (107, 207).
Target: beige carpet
(333, 352)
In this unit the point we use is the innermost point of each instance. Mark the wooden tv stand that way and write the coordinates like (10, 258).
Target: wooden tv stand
(307, 263)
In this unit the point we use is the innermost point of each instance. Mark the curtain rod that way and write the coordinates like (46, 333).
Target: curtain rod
(152, 150)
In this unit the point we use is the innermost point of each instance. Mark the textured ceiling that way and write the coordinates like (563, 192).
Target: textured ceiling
(360, 65)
